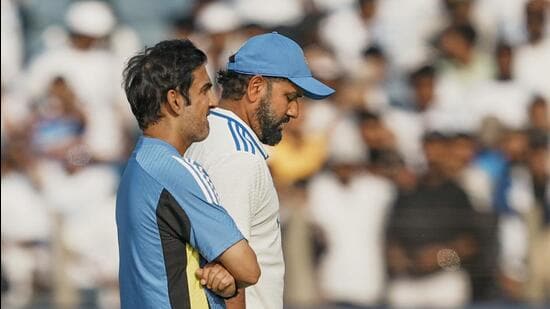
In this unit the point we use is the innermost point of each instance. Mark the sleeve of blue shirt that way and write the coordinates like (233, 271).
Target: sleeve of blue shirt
(212, 229)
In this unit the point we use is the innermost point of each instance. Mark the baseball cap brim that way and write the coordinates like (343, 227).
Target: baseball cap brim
(312, 88)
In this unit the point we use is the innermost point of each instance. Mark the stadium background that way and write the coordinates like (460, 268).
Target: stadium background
(422, 182)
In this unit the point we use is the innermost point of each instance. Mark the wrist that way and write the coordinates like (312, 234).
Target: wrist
(234, 294)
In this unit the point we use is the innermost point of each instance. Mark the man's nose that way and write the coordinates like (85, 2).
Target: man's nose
(293, 110)
(212, 100)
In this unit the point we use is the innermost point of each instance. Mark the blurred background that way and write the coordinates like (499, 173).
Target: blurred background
(423, 182)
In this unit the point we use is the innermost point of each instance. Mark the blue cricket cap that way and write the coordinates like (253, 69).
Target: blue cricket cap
(276, 55)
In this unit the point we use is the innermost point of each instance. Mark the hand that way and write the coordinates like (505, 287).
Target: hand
(429, 257)
(216, 278)
(398, 260)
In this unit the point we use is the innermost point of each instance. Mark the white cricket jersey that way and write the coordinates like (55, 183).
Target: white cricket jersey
(234, 158)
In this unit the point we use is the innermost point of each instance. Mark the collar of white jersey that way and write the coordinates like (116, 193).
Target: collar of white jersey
(232, 117)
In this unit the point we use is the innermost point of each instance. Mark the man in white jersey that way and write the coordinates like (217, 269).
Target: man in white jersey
(261, 88)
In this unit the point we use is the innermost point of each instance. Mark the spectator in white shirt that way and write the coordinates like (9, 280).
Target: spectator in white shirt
(91, 70)
(502, 97)
(350, 207)
(533, 59)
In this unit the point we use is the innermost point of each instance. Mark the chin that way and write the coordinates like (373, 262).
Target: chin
(273, 140)
(203, 135)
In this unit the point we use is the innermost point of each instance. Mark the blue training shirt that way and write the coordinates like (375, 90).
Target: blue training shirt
(169, 223)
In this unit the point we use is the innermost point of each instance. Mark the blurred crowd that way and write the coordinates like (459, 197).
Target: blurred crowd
(423, 182)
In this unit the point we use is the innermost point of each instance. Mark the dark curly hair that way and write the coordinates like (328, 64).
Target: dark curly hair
(150, 74)
(233, 84)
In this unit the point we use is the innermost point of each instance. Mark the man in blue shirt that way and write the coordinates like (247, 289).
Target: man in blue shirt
(174, 237)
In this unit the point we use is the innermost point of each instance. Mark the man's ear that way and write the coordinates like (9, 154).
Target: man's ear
(174, 102)
(256, 87)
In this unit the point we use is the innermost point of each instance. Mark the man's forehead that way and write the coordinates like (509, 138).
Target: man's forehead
(200, 76)
(200, 73)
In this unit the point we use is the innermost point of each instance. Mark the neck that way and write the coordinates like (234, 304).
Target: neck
(422, 105)
(237, 107)
(534, 39)
(434, 176)
(169, 134)
(504, 76)
(465, 58)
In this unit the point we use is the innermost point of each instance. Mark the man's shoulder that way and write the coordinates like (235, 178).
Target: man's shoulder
(177, 174)
(231, 162)
(227, 137)
(232, 167)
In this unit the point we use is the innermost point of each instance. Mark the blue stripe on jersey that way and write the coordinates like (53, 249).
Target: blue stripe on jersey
(235, 139)
(233, 124)
(255, 144)
(241, 135)
(207, 190)
(205, 180)
(250, 139)
(253, 140)
(208, 180)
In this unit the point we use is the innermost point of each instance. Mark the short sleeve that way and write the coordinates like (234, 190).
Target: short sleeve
(212, 229)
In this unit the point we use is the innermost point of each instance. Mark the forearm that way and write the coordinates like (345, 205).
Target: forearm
(240, 260)
(237, 302)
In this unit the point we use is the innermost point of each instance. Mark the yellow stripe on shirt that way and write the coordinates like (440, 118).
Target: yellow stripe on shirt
(197, 293)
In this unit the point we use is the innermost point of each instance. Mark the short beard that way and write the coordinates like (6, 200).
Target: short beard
(270, 127)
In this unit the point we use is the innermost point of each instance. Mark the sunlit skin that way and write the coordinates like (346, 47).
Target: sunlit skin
(194, 120)
(267, 106)
(184, 122)
(276, 108)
